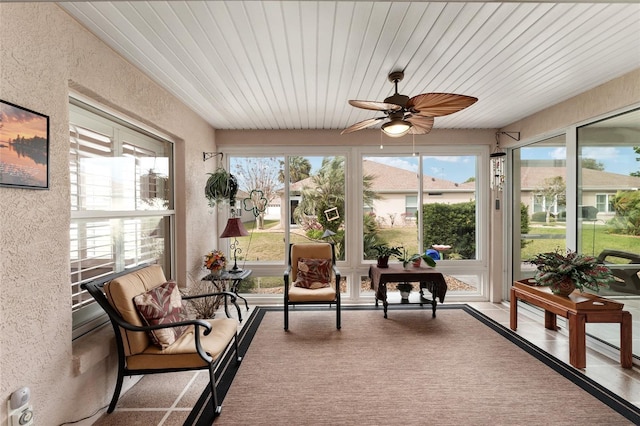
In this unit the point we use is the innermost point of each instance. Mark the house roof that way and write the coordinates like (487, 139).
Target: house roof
(394, 179)
(592, 180)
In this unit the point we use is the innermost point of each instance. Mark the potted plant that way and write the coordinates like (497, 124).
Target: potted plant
(415, 259)
(383, 252)
(215, 261)
(563, 273)
(221, 186)
(426, 259)
(405, 290)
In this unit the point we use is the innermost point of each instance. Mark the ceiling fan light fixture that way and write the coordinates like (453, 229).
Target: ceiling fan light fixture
(396, 128)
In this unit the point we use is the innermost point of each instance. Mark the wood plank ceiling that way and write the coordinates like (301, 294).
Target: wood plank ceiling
(295, 64)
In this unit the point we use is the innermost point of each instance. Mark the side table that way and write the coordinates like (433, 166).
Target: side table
(229, 281)
(579, 309)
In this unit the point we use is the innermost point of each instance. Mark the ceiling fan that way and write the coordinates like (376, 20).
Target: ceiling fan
(409, 115)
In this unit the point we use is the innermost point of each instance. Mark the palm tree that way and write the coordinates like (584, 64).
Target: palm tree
(327, 192)
(299, 168)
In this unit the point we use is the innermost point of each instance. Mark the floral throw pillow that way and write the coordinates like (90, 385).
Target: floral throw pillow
(162, 305)
(313, 273)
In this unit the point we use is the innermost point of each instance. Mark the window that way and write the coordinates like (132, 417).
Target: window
(411, 205)
(363, 198)
(121, 202)
(604, 203)
(539, 201)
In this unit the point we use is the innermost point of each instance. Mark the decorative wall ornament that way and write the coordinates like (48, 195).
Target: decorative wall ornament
(497, 166)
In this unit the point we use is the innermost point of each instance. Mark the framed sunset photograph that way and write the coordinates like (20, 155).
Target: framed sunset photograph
(24, 147)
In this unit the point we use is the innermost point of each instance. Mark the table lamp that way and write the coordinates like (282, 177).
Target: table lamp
(234, 229)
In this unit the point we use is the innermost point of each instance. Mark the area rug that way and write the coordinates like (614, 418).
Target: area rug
(411, 369)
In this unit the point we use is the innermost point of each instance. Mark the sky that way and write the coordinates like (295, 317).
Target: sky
(616, 159)
(621, 160)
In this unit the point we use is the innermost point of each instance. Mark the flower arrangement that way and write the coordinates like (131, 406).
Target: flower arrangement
(585, 271)
(215, 260)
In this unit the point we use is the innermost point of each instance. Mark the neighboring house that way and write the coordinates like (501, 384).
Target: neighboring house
(598, 188)
(398, 191)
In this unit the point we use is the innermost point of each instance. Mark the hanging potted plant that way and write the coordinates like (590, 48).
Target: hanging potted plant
(221, 186)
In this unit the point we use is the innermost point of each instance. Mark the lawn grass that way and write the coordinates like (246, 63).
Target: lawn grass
(268, 243)
(594, 240)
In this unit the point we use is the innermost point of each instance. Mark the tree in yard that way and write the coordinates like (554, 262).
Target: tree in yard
(627, 218)
(592, 163)
(637, 151)
(299, 168)
(554, 193)
(258, 174)
(327, 191)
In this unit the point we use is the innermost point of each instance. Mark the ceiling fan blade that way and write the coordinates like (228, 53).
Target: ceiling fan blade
(362, 125)
(420, 125)
(375, 106)
(439, 104)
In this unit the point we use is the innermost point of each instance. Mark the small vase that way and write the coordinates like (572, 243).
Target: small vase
(564, 287)
(404, 295)
(216, 272)
(416, 263)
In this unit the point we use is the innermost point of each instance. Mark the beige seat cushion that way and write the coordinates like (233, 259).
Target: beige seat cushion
(299, 294)
(121, 291)
(182, 352)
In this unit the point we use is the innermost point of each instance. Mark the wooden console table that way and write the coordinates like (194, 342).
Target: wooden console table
(579, 309)
(428, 278)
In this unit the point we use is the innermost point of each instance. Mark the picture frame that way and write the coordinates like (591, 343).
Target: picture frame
(24, 147)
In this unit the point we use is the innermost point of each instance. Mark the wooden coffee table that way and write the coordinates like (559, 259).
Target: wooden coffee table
(579, 309)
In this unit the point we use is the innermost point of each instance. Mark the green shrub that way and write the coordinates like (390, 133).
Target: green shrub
(452, 224)
(539, 217)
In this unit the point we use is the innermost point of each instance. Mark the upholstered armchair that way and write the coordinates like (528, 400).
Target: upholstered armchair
(153, 334)
(311, 277)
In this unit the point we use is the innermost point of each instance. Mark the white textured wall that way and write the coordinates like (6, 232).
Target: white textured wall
(44, 52)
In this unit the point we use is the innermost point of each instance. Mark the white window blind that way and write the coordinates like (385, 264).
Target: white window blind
(121, 202)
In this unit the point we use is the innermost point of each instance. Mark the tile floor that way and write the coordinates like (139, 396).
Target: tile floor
(175, 393)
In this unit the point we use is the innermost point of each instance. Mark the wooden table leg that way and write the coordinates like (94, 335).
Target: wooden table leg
(577, 340)
(513, 310)
(550, 320)
(626, 339)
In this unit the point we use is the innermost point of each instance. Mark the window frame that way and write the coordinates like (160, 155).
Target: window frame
(353, 268)
(91, 316)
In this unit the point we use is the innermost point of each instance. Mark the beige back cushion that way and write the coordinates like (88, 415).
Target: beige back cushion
(308, 251)
(121, 291)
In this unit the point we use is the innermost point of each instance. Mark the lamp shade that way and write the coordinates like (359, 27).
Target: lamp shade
(396, 128)
(234, 228)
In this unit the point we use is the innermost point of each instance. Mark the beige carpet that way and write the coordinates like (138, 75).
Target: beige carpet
(409, 369)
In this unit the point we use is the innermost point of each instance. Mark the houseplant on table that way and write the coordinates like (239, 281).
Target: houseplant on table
(384, 251)
(563, 273)
(415, 259)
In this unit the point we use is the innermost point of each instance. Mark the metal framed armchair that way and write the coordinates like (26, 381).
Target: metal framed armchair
(627, 277)
(200, 344)
(311, 278)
